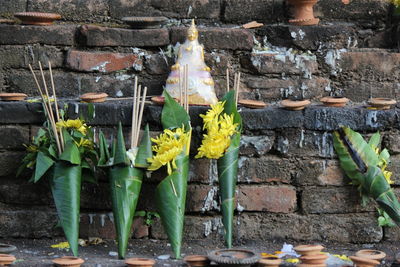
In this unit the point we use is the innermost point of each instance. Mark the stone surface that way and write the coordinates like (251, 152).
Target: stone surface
(242, 11)
(101, 62)
(9, 7)
(102, 36)
(9, 162)
(13, 137)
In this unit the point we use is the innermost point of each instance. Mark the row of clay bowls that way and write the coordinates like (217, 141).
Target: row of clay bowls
(311, 255)
(88, 97)
(368, 258)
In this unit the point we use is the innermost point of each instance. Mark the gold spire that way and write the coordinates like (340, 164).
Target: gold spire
(192, 33)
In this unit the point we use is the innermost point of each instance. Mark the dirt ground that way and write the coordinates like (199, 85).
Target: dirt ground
(39, 252)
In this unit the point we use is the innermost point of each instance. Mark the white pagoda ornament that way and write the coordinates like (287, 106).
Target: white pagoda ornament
(200, 83)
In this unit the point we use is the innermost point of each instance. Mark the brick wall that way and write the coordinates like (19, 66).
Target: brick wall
(290, 184)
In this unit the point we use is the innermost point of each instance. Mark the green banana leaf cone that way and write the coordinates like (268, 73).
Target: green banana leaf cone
(65, 183)
(227, 175)
(171, 200)
(125, 185)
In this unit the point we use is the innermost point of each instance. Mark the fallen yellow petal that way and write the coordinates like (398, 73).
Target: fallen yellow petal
(61, 245)
(292, 260)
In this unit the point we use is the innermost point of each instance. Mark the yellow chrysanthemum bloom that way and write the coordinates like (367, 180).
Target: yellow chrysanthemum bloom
(383, 164)
(31, 148)
(77, 124)
(396, 3)
(85, 143)
(168, 146)
(219, 128)
(293, 260)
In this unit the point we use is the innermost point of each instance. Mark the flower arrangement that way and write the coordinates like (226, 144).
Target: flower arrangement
(366, 166)
(172, 150)
(60, 152)
(126, 170)
(223, 124)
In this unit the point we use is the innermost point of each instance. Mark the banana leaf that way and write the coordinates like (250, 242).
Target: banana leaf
(171, 200)
(125, 182)
(65, 183)
(360, 162)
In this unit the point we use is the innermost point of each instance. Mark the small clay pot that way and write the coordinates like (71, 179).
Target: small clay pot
(381, 103)
(197, 260)
(37, 18)
(269, 262)
(6, 259)
(363, 262)
(314, 259)
(371, 254)
(307, 250)
(334, 101)
(145, 22)
(140, 262)
(303, 12)
(69, 261)
(295, 104)
(310, 265)
(94, 97)
(248, 103)
(12, 96)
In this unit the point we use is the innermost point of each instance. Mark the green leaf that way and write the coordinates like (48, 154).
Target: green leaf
(104, 153)
(125, 185)
(170, 201)
(227, 178)
(65, 183)
(375, 140)
(43, 164)
(140, 213)
(144, 151)
(71, 153)
(120, 150)
(174, 115)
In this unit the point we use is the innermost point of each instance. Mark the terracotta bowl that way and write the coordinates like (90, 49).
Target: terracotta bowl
(314, 259)
(248, 103)
(371, 254)
(145, 22)
(197, 260)
(381, 103)
(363, 262)
(306, 250)
(269, 262)
(310, 265)
(69, 261)
(12, 96)
(93, 97)
(334, 101)
(295, 104)
(37, 18)
(6, 259)
(140, 262)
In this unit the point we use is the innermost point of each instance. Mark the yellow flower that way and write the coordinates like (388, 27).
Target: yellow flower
(31, 148)
(294, 260)
(85, 143)
(396, 3)
(387, 175)
(168, 146)
(219, 128)
(61, 245)
(77, 124)
(342, 257)
(267, 255)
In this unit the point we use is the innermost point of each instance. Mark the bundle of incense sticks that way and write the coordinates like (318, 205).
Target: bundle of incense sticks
(236, 84)
(184, 87)
(48, 106)
(139, 99)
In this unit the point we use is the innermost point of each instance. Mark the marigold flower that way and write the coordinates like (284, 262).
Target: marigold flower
(77, 124)
(168, 146)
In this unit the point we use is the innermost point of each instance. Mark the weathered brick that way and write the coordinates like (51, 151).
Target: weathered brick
(256, 145)
(200, 198)
(333, 200)
(21, 56)
(319, 172)
(157, 64)
(200, 170)
(218, 38)
(20, 112)
(51, 35)
(101, 36)
(13, 137)
(169, 8)
(279, 199)
(9, 7)
(101, 61)
(360, 91)
(242, 11)
(278, 63)
(218, 62)
(391, 141)
(89, 10)
(391, 234)
(9, 162)
(21, 192)
(92, 193)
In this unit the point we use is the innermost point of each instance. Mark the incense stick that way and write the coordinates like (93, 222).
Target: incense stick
(39, 88)
(237, 89)
(55, 103)
(227, 80)
(137, 127)
(186, 88)
(142, 102)
(133, 113)
(181, 87)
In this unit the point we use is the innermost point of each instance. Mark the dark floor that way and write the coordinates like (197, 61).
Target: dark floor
(39, 253)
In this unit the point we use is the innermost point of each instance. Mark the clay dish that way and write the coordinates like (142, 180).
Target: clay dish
(6, 259)
(334, 101)
(37, 18)
(140, 262)
(269, 262)
(5, 248)
(371, 254)
(69, 261)
(306, 250)
(363, 262)
(94, 97)
(314, 259)
(310, 265)
(248, 103)
(381, 103)
(233, 257)
(12, 96)
(295, 104)
(145, 22)
(197, 260)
